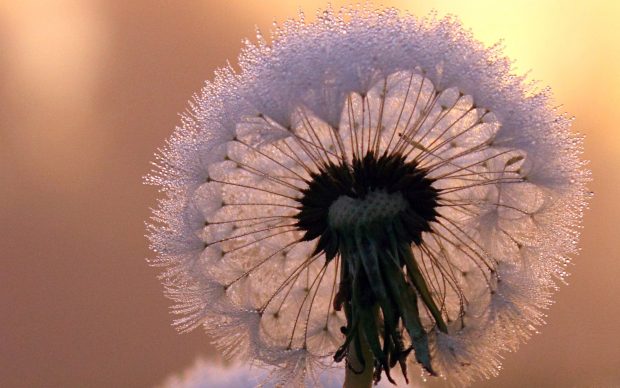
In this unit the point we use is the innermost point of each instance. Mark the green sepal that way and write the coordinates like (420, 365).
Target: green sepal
(408, 305)
(371, 334)
(416, 278)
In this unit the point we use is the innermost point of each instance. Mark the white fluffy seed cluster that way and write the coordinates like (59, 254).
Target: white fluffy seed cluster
(377, 206)
(511, 183)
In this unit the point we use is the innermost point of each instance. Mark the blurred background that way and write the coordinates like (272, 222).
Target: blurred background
(90, 89)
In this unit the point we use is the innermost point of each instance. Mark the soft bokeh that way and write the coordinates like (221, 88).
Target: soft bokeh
(88, 91)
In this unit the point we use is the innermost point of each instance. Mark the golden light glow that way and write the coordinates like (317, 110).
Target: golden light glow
(54, 56)
(574, 47)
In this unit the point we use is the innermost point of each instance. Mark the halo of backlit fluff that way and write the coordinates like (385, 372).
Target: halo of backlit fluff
(507, 171)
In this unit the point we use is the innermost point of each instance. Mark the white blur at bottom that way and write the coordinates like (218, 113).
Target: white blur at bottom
(212, 374)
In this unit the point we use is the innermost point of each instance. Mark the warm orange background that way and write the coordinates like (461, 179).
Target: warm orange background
(89, 90)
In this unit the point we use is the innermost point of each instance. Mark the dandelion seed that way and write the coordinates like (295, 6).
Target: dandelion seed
(369, 183)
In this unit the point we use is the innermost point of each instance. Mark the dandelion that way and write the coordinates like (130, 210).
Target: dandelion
(206, 374)
(211, 374)
(371, 190)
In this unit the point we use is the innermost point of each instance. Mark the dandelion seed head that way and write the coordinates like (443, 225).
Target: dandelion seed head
(370, 177)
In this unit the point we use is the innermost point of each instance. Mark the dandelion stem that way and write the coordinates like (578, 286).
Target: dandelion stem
(353, 378)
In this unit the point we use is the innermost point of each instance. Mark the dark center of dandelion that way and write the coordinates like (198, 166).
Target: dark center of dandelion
(368, 214)
(371, 193)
